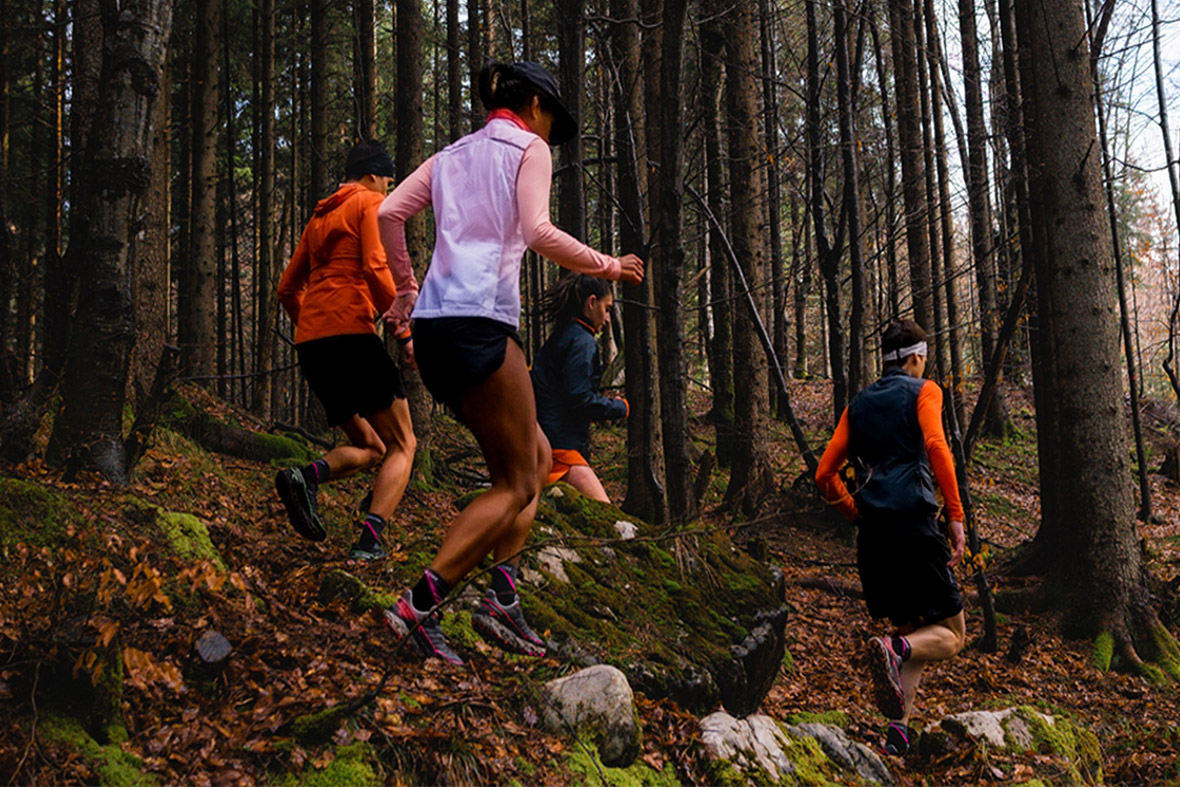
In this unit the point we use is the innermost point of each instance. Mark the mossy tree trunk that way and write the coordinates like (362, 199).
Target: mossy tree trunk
(1095, 571)
(117, 174)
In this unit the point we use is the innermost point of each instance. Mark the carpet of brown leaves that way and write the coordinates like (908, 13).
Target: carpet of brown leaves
(432, 724)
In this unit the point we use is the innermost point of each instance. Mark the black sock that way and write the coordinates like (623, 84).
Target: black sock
(504, 583)
(316, 473)
(371, 531)
(430, 590)
(901, 646)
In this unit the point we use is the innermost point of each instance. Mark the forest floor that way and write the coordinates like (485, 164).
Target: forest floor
(295, 655)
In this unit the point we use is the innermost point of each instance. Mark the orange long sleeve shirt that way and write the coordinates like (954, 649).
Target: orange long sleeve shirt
(827, 476)
(338, 280)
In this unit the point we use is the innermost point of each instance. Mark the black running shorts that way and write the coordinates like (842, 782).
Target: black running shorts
(350, 375)
(902, 559)
(455, 354)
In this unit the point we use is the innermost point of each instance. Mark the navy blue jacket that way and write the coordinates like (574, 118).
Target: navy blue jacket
(566, 376)
(887, 447)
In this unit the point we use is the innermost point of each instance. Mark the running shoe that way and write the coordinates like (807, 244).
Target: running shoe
(885, 669)
(403, 619)
(505, 627)
(299, 500)
(375, 552)
(898, 738)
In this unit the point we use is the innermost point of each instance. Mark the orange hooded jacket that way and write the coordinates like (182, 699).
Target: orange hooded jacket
(338, 281)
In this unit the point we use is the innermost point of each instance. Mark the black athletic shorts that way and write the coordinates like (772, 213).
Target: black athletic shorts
(902, 559)
(455, 354)
(350, 375)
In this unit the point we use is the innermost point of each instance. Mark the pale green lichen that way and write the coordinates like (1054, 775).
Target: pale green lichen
(351, 766)
(189, 537)
(34, 514)
(1103, 651)
(112, 765)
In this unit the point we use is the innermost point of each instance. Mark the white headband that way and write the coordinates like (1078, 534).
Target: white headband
(913, 349)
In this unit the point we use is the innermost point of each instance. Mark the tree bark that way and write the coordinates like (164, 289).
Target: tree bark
(365, 64)
(571, 46)
(670, 262)
(751, 478)
(321, 177)
(474, 61)
(265, 338)
(408, 155)
(1096, 568)
(197, 303)
(721, 345)
(645, 490)
(849, 144)
(913, 169)
(117, 173)
(454, 74)
(926, 89)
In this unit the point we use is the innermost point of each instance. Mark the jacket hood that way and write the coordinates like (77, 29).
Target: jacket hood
(329, 204)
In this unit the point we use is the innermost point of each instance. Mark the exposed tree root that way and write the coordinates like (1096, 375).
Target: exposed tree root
(1151, 651)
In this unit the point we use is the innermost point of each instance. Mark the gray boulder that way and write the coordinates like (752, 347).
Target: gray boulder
(845, 752)
(755, 743)
(596, 703)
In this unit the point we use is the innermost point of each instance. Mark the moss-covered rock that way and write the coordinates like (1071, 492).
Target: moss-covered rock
(587, 770)
(215, 434)
(685, 614)
(113, 766)
(339, 584)
(186, 535)
(316, 728)
(34, 514)
(1022, 728)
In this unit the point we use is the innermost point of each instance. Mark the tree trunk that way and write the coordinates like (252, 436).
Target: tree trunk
(774, 198)
(751, 478)
(849, 144)
(913, 169)
(454, 74)
(198, 292)
(721, 346)
(645, 491)
(890, 177)
(827, 251)
(365, 64)
(265, 339)
(1096, 570)
(321, 177)
(926, 80)
(571, 45)
(670, 262)
(996, 422)
(117, 174)
(408, 155)
(475, 60)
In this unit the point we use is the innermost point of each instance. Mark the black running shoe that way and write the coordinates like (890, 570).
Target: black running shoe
(885, 669)
(375, 552)
(505, 627)
(299, 501)
(898, 738)
(402, 618)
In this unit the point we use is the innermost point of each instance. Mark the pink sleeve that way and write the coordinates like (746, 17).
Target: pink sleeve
(532, 200)
(410, 197)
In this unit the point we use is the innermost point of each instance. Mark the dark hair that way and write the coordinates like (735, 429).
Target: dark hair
(566, 299)
(503, 87)
(368, 157)
(899, 334)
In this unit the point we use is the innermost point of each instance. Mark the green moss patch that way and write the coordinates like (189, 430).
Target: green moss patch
(34, 514)
(113, 766)
(1065, 738)
(351, 766)
(588, 771)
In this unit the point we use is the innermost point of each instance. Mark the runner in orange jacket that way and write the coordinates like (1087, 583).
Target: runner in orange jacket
(334, 287)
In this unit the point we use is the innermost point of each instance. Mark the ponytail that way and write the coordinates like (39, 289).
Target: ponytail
(502, 87)
(566, 299)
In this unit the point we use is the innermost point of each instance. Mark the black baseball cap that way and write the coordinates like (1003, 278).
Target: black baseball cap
(564, 125)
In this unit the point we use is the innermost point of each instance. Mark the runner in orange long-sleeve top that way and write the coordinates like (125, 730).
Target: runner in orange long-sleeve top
(892, 434)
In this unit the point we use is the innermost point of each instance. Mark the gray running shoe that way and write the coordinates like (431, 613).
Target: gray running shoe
(299, 500)
(505, 626)
(375, 552)
(402, 619)
(885, 669)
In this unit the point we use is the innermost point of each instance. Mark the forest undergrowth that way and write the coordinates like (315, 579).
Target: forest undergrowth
(105, 603)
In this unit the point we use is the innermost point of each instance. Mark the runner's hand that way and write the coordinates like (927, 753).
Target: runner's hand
(632, 269)
(397, 317)
(408, 354)
(958, 542)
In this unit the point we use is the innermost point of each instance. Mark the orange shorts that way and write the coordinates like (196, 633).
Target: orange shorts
(563, 460)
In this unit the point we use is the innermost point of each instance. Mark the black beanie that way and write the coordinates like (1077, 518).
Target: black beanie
(368, 157)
